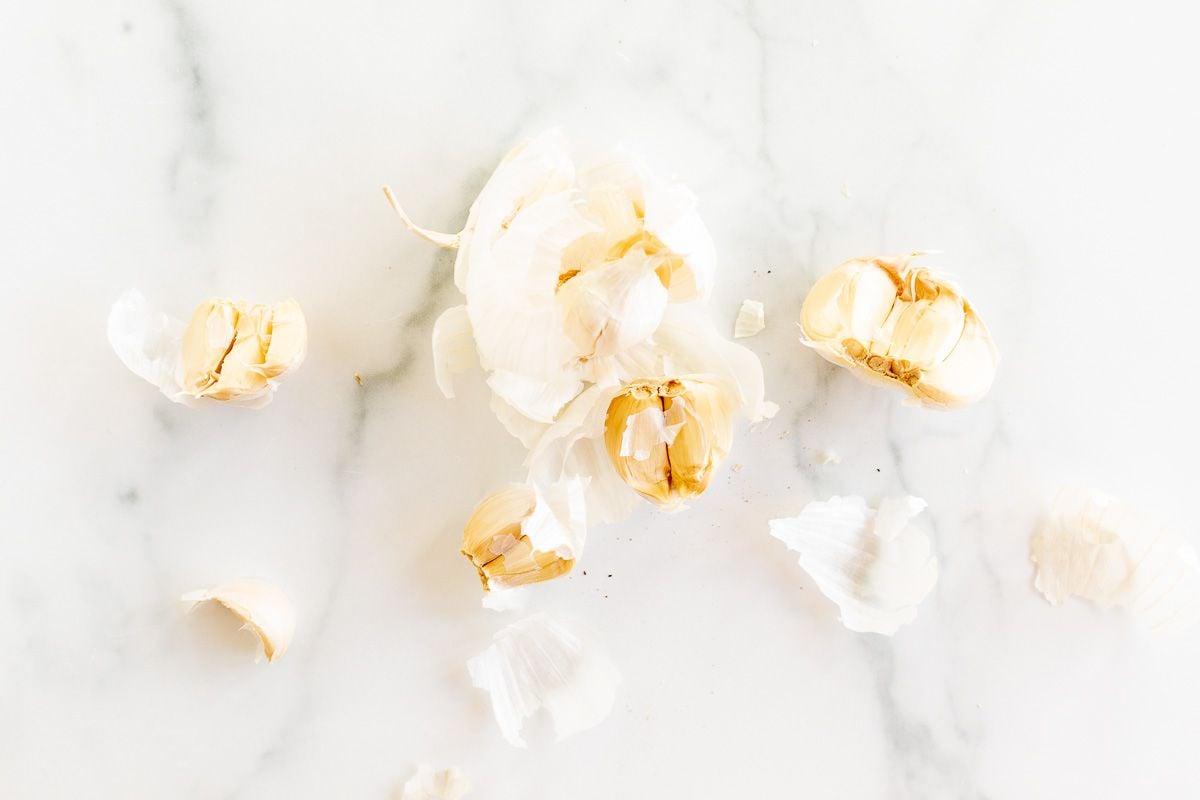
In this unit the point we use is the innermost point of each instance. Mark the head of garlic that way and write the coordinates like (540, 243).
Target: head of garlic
(230, 351)
(901, 325)
(565, 267)
(520, 534)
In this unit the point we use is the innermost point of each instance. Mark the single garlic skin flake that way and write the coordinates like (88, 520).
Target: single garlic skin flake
(893, 323)
(665, 437)
(262, 607)
(431, 784)
(751, 319)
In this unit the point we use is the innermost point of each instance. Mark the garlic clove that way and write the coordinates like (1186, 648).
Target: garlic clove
(262, 607)
(874, 564)
(750, 320)
(431, 784)
(1092, 546)
(538, 662)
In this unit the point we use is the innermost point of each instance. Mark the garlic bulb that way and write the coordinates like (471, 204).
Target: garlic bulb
(430, 784)
(1094, 547)
(563, 267)
(665, 437)
(520, 535)
(874, 564)
(751, 319)
(231, 351)
(262, 607)
(540, 663)
(900, 325)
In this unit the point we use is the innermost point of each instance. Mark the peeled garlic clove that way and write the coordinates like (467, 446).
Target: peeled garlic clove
(230, 351)
(540, 663)
(262, 607)
(1097, 548)
(751, 319)
(430, 784)
(520, 534)
(874, 564)
(665, 437)
(904, 326)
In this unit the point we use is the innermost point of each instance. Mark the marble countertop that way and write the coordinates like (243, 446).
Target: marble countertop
(1047, 149)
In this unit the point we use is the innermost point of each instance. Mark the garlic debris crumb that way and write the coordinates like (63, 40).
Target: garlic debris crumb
(431, 784)
(262, 607)
(750, 319)
(230, 351)
(538, 662)
(901, 325)
(358, 378)
(1094, 547)
(873, 563)
(824, 457)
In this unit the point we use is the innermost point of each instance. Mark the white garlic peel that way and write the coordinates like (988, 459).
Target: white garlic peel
(874, 564)
(262, 607)
(751, 319)
(540, 663)
(901, 325)
(431, 784)
(1101, 550)
(230, 351)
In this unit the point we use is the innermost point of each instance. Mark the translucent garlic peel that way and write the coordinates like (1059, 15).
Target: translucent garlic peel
(540, 663)
(453, 347)
(1097, 548)
(751, 319)
(521, 534)
(230, 351)
(431, 784)
(875, 565)
(262, 607)
(901, 325)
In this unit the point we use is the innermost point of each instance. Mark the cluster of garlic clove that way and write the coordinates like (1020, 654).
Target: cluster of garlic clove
(905, 326)
(665, 437)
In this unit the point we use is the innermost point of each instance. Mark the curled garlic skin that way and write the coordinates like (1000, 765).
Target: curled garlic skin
(262, 607)
(231, 351)
(901, 325)
(665, 437)
(1092, 546)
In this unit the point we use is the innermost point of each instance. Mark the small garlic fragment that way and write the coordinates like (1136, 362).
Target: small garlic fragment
(750, 319)
(231, 351)
(520, 534)
(900, 325)
(537, 663)
(666, 436)
(872, 563)
(1097, 548)
(262, 606)
(430, 784)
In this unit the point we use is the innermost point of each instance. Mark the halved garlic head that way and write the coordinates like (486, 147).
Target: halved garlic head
(893, 323)
(262, 607)
(665, 437)
(519, 535)
(231, 349)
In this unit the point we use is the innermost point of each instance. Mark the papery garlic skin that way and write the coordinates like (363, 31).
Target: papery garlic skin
(431, 784)
(521, 534)
(539, 662)
(901, 325)
(231, 351)
(1092, 546)
(751, 319)
(873, 563)
(262, 607)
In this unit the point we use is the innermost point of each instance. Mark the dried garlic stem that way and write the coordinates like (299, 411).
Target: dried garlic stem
(448, 240)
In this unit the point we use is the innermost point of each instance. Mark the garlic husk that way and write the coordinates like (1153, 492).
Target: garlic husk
(1095, 547)
(262, 607)
(901, 325)
(431, 784)
(874, 564)
(230, 351)
(453, 347)
(522, 534)
(538, 662)
(751, 319)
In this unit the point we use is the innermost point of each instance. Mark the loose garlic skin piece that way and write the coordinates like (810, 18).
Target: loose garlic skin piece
(262, 607)
(665, 437)
(900, 325)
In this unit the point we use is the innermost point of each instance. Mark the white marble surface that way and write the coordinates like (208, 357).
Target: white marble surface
(1048, 149)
